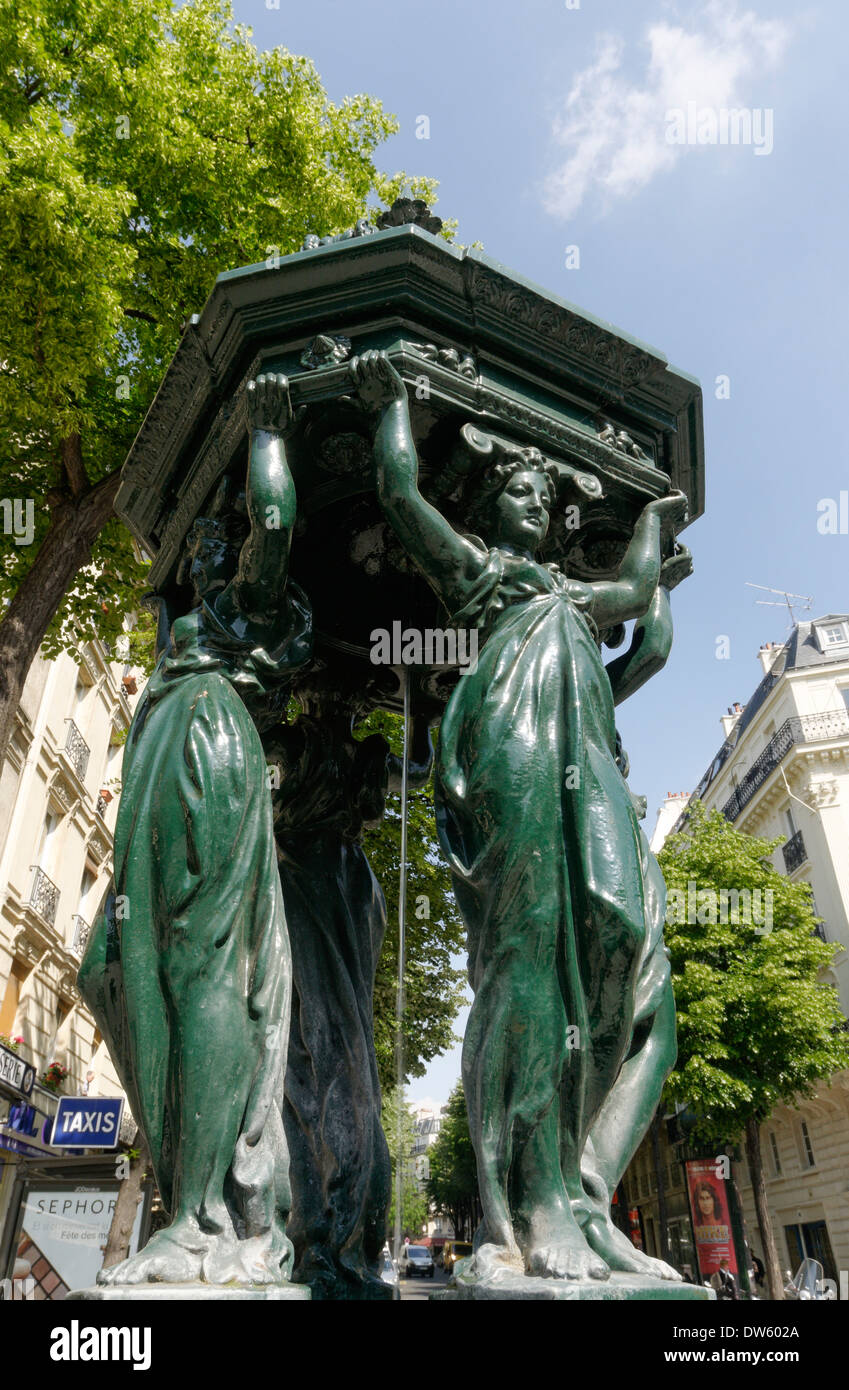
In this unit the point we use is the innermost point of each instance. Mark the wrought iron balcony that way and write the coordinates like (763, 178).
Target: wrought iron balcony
(44, 895)
(81, 931)
(804, 728)
(77, 750)
(794, 852)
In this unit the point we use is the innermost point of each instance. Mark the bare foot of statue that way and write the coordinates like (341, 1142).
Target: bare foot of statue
(242, 1262)
(496, 1253)
(172, 1256)
(558, 1250)
(618, 1252)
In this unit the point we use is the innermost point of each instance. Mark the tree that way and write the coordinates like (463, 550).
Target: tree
(756, 1025)
(400, 1130)
(143, 149)
(433, 987)
(129, 1195)
(452, 1187)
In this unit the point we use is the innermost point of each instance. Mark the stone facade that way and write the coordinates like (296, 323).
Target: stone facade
(59, 789)
(783, 769)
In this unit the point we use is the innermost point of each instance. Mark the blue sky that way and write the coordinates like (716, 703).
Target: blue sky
(547, 129)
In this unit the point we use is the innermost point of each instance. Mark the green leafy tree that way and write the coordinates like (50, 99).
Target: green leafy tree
(400, 1130)
(452, 1187)
(757, 1025)
(144, 148)
(433, 986)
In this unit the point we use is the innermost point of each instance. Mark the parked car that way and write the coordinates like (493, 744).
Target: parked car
(389, 1271)
(416, 1259)
(453, 1251)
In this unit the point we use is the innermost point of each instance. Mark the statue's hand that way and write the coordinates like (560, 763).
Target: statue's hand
(676, 568)
(672, 509)
(376, 380)
(269, 405)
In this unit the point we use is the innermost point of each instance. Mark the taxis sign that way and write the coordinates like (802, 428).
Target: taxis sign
(87, 1122)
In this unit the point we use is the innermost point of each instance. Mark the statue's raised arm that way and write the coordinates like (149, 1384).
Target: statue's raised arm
(258, 588)
(631, 593)
(651, 641)
(448, 561)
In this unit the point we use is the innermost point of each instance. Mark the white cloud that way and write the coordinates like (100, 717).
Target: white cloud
(614, 129)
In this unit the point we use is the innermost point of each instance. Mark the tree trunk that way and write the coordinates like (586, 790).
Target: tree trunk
(73, 530)
(124, 1215)
(775, 1282)
(662, 1216)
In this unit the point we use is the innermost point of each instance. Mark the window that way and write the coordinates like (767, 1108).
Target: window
(774, 1154)
(11, 999)
(833, 635)
(48, 840)
(62, 1011)
(845, 693)
(88, 882)
(806, 1148)
(790, 825)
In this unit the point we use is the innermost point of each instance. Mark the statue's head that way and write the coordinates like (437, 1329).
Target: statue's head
(513, 500)
(211, 554)
(211, 548)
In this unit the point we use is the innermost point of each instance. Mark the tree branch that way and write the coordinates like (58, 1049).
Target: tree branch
(140, 314)
(72, 462)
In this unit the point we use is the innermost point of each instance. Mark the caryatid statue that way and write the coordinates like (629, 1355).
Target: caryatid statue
(571, 1032)
(188, 969)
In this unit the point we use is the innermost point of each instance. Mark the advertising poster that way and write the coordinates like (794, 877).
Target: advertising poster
(62, 1237)
(711, 1217)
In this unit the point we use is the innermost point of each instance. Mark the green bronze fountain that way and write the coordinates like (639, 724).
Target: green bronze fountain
(385, 434)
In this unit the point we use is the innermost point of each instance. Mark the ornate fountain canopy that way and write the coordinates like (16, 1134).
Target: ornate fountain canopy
(491, 362)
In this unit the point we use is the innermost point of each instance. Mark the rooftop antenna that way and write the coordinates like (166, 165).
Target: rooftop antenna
(806, 599)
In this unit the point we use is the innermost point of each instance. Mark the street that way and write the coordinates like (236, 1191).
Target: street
(419, 1290)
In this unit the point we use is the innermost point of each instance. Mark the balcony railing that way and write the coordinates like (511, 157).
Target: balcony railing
(44, 896)
(77, 750)
(804, 728)
(81, 931)
(794, 852)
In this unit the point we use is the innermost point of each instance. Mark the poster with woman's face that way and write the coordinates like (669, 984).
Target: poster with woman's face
(711, 1217)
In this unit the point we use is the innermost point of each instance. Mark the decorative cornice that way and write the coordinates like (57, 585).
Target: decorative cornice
(555, 325)
(357, 287)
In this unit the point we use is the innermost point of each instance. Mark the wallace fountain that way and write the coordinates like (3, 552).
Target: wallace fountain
(387, 434)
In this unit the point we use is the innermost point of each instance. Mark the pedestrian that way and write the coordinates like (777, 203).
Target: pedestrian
(725, 1283)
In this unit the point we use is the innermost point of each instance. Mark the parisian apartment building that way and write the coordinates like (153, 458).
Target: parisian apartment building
(782, 770)
(59, 793)
(428, 1115)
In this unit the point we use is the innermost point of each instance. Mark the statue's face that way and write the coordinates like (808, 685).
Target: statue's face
(213, 564)
(520, 513)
